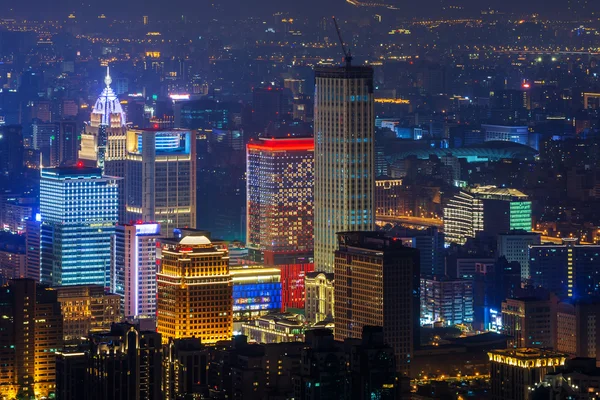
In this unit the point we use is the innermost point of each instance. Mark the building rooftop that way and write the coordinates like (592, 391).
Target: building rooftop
(194, 240)
(488, 151)
(527, 357)
(493, 191)
(73, 170)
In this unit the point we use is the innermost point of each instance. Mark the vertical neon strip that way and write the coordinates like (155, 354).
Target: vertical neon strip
(136, 276)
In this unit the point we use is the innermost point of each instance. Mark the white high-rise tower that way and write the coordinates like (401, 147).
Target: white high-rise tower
(104, 138)
(344, 157)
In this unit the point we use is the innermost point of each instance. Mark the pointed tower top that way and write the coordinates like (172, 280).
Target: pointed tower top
(107, 79)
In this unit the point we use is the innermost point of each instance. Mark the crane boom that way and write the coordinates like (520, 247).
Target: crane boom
(347, 54)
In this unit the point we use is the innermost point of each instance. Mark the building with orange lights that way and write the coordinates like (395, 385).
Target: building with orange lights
(194, 290)
(31, 332)
(377, 284)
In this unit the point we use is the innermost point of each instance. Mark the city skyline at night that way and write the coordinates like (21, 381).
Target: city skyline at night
(294, 200)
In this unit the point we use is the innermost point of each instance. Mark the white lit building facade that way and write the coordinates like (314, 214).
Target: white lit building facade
(161, 178)
(133, 268)
(344, 157)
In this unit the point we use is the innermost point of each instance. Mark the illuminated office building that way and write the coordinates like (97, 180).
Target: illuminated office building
(569, 269)
(31, 327)
(530, 321)
(103, 140)
(79, 209)
(344, 157)
(319, 297)
(87, 308)
(377, 284)
(194, 290)
(446, 301)
(161, 177)
(256, 291)
(280, 198)
(280, 210)
(133, 268)
(514, 373)
(485, 208)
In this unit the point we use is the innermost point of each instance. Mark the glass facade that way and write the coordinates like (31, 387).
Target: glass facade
(79, 209)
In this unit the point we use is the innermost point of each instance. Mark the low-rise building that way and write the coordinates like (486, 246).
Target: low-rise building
(275, 328)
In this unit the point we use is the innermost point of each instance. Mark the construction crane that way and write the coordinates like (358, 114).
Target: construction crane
(347, 54)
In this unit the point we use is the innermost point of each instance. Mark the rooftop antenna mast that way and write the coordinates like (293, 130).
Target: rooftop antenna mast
(347, 54)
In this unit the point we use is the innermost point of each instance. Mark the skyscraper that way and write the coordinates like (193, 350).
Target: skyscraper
(280, 210)
(31, 332)
(280, 198)
(344, 157)
(104, 138)
(377, 283)
(45, 140)
(161, 177)
(194, 287)
(79, 210)
(68, 142)
(133, 268)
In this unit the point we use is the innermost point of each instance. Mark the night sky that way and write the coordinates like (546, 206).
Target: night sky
(196, 8)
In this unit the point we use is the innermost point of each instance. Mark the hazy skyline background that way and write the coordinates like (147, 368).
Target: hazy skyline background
(196, 9)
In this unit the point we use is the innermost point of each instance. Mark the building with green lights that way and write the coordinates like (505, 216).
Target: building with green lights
(486, 208)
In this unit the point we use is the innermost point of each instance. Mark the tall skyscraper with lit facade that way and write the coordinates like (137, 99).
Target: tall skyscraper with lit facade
(160, 183)
(195, 290)
(344, 157)
(79, 208)
(133, 268)
(31, 332)
(280, 182)
(377, 284)
(280, 197)
(103, 140)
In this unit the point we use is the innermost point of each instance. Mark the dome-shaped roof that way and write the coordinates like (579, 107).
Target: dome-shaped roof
(195, 240)
(108, 104)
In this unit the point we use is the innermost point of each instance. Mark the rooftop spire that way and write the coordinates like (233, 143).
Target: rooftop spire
(107, 78)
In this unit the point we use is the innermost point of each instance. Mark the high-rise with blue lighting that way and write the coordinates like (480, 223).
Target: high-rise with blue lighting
(79, 209)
